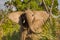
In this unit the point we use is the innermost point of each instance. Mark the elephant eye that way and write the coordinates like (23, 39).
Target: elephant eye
(32, 15)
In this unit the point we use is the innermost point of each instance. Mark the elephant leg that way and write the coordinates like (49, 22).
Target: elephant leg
(23, 33)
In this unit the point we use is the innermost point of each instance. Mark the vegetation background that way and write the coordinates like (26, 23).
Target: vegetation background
(10, 30)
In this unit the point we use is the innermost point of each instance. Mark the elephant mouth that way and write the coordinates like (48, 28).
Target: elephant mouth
(23, 21)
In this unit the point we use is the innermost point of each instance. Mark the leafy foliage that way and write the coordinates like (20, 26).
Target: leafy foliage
(33, 4)
(9, 28)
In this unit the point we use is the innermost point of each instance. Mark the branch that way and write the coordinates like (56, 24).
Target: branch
(55, 16)
(51, 6)
(45, 6)
(51, 11)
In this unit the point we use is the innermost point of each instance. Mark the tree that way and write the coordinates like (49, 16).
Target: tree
(34, 4)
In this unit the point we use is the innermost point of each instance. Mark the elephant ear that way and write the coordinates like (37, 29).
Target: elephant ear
(36, 20)
(14, 16)
(40, 17)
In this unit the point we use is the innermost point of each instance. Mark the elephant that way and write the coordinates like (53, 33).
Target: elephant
(31, 22)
